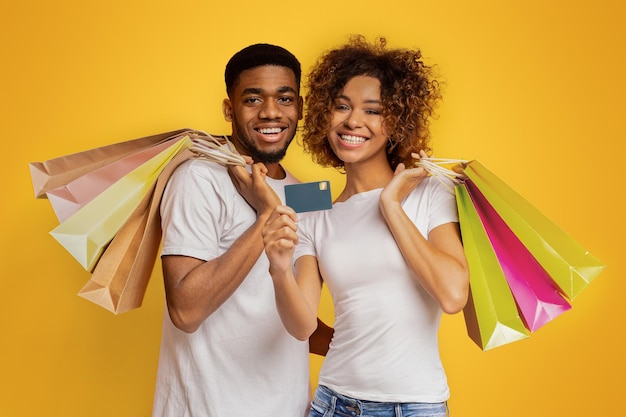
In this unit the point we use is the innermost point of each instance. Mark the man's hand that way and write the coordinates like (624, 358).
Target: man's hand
(280, 239)
(254, 188)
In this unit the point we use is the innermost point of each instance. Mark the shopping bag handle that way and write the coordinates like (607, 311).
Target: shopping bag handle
(437, 167)
(220, 150)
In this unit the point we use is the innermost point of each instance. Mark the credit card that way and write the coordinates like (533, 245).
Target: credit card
(309, 196)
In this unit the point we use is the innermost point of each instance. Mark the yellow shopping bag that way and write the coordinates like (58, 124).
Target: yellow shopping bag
(87, 232)
(505, 236)
(121, 276)
(69, 198)
(108, 199)
(570, 265)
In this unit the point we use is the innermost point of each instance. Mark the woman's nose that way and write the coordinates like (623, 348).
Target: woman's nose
(353, 121)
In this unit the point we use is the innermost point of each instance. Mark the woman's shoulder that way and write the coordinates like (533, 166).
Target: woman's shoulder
(433, 185)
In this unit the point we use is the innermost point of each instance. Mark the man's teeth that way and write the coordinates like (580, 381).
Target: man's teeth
(353, 140)
(268, 131)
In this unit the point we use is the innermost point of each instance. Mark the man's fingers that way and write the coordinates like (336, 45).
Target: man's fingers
(239, 173)
(287, 211)
(286, 244)
(259, 169)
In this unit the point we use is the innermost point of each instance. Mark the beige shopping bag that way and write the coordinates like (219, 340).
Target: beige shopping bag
(121, 276)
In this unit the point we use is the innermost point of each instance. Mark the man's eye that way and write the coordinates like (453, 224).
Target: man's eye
(285, 100)
(252, 100)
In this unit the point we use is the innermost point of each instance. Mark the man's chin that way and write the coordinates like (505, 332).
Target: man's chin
(259, 150)
(270, 157)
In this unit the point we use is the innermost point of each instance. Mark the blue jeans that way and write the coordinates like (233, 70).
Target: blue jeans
(328, 403)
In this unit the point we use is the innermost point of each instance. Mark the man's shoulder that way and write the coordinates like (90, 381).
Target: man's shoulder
(201, 167)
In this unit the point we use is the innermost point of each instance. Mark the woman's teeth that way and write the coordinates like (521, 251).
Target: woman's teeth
(352, 140)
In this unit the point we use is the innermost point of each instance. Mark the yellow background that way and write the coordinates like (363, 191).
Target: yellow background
(534, 89)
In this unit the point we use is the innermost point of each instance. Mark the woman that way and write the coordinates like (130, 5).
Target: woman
(390, 248)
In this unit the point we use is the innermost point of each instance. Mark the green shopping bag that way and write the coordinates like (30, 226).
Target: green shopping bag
(491, 315)
(570, 265)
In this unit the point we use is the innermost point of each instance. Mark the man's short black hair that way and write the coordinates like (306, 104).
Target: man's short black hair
(258, 55)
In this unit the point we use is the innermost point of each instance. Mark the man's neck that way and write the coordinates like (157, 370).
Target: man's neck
(276, 171)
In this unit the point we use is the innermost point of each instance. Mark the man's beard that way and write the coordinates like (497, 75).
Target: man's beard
(258, 155)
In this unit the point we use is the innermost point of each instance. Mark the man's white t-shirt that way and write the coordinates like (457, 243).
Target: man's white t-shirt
(385, 345)
(241, 361)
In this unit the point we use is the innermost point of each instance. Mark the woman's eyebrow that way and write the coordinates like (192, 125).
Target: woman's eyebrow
(371, 101)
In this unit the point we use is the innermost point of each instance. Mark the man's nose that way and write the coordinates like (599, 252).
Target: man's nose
(270, 110)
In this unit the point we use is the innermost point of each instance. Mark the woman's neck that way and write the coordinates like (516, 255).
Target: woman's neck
(362, 177)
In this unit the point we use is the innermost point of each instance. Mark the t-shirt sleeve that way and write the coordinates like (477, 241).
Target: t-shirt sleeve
(431, 204)
(306, 241)
(190, 213)
(443, 202)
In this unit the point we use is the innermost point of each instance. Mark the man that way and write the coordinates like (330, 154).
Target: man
(224, 350)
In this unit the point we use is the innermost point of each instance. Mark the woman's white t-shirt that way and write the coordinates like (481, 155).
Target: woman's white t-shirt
(385, 345)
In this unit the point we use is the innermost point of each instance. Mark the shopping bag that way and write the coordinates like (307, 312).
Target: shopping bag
(570, 265)
(86, 233)
(110, 277)
(68, 198)
(116, 231)
(537, 296)
(53, 173)
(121, 276)
(491, 315)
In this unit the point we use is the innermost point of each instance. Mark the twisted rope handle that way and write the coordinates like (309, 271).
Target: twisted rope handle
(220, 150)
(436, 167)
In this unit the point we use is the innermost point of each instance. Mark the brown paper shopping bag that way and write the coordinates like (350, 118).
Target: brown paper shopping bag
(87, 232)
(121, 253)
(71, 197)
(56, 172)
(121, 276)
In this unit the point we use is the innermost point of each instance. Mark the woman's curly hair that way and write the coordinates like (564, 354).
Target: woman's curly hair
(409, 94)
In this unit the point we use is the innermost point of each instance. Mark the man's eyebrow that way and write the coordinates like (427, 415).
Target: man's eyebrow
(251, 90)
(259, 90)
(287, 89)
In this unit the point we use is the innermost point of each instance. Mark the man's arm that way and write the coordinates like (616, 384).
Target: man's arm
(194, 288)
